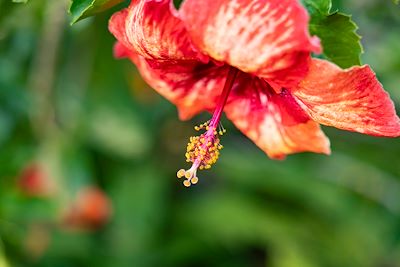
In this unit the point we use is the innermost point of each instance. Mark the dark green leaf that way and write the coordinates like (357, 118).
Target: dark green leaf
(81, 9)
(341, 44)
(178, 3)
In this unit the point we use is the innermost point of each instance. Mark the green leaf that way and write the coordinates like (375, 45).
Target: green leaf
(81, 9)
(341, 44)
(177, 3)
(396, 2)
(20, 1)
(318, 8)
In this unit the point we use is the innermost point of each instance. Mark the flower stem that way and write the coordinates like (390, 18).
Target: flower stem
(230, 79)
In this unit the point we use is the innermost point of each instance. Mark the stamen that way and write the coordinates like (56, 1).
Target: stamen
(221, 130)
(203, 150)
(202, 126)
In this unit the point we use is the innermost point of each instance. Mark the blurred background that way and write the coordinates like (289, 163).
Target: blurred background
(89, 154)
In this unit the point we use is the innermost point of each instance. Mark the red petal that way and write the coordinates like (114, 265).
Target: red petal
(120, 50)
(190, 85)
(262, 37)
(117, 27)
(275, 122)
(351, 99)
(152, 29)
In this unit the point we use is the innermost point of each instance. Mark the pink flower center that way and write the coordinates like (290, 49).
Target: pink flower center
(203, 150)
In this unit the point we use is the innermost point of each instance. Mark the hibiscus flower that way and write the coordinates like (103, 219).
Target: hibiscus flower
(252, 60)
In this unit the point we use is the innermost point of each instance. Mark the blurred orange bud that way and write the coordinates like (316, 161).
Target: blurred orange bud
(34, 181)
(90, 210)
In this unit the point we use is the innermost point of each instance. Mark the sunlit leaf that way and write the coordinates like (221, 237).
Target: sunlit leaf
(3, 261)
(105, 124)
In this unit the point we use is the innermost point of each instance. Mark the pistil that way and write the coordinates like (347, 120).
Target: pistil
(203, 150)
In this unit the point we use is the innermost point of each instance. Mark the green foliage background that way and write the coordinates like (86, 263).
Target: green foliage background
(90, 119)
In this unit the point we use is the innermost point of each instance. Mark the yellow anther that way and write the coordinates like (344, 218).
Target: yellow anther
(186, 183)
(194, 180)
(180, 173)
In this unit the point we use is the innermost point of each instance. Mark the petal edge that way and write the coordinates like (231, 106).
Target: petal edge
(153, 29)
(351, 99)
